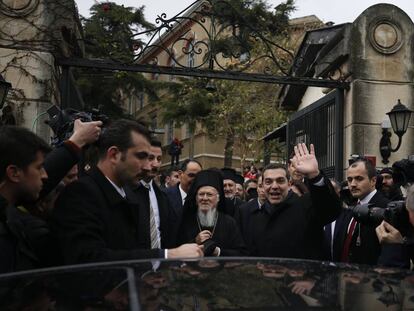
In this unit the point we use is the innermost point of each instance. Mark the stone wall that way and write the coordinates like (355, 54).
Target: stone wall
(382, 65)
(33, 33)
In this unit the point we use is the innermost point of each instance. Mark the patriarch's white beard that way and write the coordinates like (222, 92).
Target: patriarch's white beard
(207, 219)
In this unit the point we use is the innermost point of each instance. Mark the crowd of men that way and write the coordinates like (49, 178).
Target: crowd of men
(55, 209)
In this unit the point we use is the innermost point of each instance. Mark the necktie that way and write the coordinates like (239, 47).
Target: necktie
(155, 242)
(348, 240)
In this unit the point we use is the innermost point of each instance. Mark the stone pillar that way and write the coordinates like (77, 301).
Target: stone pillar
(382, 66)
(32, 34)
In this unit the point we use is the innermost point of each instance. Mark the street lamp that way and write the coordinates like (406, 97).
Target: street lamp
(4, 89)
(399, 117)
(210, 86)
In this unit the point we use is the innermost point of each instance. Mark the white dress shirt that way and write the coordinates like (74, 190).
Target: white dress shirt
(121, 191)
(183, 194)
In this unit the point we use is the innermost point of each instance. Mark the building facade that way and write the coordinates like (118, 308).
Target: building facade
(185, 42)
(375, 55)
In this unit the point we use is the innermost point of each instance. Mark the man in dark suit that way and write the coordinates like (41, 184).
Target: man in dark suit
(96, 218)
(250, 207)
(287, 225)
(176, 195)
(331, 230)
(357, 242)
(154, 203)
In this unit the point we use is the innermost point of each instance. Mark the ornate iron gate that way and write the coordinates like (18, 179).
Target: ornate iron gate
(321, 124)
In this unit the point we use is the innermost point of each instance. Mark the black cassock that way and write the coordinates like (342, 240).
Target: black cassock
(226, 235)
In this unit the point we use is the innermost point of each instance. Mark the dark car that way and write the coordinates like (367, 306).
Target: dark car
(209, 284)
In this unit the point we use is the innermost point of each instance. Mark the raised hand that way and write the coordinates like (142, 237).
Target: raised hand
(85, 133)
(304, 161)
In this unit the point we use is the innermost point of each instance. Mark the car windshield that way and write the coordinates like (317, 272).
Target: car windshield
(210, 284)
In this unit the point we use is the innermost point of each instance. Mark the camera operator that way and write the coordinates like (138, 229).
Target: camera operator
(27, 219)
(397, 250)
(355, 241)
(61, 160)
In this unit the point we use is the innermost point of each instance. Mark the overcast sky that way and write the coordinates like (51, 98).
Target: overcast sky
(338, 11)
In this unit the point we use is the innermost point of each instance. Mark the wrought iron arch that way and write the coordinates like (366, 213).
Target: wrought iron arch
(214, 60)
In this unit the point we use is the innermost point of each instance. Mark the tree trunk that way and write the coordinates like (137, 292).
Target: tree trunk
(228, 150)
(191, 146)
(267, 153)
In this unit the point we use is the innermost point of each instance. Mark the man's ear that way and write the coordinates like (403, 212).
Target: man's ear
(113, 153)
(13, 173)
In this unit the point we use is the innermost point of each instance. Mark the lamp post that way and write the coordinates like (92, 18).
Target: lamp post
(399, 118)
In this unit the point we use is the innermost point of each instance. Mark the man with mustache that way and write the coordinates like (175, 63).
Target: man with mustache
(287, 225)
(357, 242)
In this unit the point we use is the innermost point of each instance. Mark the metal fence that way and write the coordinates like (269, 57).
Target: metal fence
(321, 124)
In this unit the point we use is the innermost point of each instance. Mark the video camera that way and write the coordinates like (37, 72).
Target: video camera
(395, 214)
(62, 121)
(403, 171)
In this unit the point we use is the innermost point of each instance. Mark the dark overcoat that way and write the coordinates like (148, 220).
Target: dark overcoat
(292, 228)
(369, 249)
(93, 222)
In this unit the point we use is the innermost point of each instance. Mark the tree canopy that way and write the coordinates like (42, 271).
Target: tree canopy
(239, 112)
(108, 34)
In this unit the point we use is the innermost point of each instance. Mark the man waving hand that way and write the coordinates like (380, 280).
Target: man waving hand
(288, 225)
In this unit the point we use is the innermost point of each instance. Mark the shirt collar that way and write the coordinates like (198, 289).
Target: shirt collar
(146, 184)
(121, 191)
(368, 197)
(259, 204)
(182, 192)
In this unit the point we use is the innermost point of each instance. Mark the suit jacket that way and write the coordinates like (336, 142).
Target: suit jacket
(93, 222)
(164, 211)
(294, 227)
(329, 246)
(176, 212)
(245, 211)
(369, 249)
